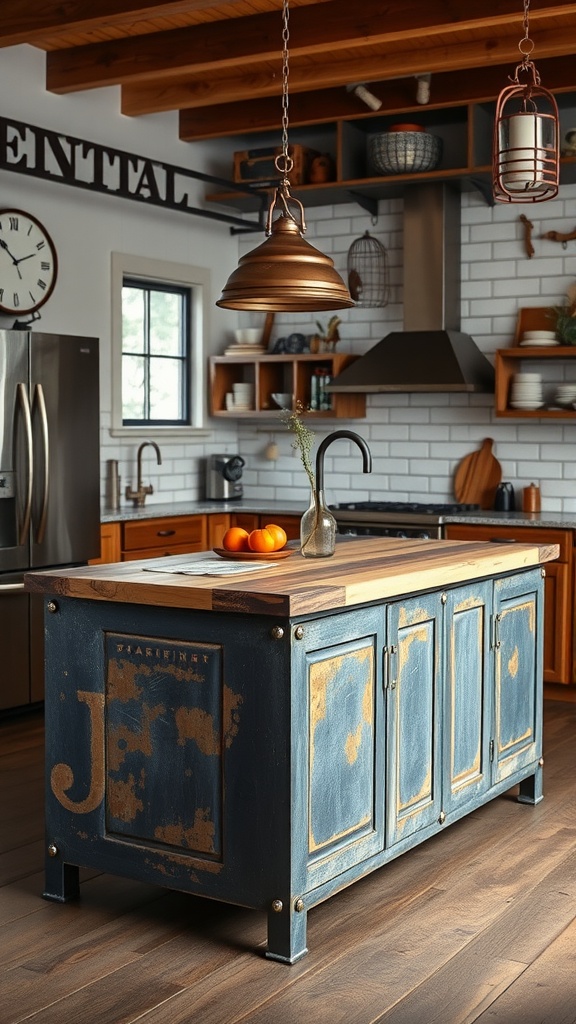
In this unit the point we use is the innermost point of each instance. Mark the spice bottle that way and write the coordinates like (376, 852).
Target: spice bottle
(531, 498)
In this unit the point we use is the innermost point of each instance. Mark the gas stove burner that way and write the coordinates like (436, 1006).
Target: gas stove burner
(405, 507)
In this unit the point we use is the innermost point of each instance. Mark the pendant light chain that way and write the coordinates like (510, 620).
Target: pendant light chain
(528, 44)
(285, 163)
(526, 47)
(285, 73)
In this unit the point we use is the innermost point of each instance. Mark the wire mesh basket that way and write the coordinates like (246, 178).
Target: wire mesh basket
(403, 152)
(368, 277)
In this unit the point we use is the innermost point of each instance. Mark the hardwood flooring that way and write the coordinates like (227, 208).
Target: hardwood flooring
(476, 925)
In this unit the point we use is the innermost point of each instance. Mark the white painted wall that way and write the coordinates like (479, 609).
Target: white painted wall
(416, 440)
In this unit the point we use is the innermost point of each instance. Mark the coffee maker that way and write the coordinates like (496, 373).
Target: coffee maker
(223, 473)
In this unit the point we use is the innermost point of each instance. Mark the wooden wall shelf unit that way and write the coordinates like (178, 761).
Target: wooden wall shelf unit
(517, 359)
(512, 360)
(466, 133)
(287, 374)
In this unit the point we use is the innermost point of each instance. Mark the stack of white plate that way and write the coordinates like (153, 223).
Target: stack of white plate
(243, 396)
(526, 391)
(541, 339)
(565, 394)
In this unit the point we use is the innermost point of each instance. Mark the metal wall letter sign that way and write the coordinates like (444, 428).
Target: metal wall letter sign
(52, 156)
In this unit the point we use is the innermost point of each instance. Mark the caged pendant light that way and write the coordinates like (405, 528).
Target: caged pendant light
(526, 164)
(368, 272)
(285, 273)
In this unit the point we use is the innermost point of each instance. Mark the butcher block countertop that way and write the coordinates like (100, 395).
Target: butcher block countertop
(360, 571)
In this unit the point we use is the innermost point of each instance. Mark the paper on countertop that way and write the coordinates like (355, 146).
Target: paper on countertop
(209, 567)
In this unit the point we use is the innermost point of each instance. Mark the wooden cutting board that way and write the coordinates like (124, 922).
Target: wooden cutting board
(477, 476)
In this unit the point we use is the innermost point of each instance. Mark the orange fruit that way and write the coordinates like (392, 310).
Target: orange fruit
(261, 540)
(235, 539)
(279, 535)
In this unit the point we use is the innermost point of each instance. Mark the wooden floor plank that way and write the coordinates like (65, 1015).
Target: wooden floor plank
(492, 961)
(545, 993)
(476, 924)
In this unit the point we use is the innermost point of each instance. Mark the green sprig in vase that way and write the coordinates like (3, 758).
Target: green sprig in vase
(318, 526)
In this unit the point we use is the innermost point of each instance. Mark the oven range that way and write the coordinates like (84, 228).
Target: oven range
(395, 518)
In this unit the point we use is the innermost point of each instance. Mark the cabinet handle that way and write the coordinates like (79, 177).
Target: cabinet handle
(389, 678)
(497, 643)
(503, 540)
(165, 533)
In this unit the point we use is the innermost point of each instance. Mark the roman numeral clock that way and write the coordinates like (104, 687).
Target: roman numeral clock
(28, 263)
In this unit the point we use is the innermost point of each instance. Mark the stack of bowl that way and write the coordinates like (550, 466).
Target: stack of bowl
(526, 391)
(243, 397)
(565, 395)
(540, 339)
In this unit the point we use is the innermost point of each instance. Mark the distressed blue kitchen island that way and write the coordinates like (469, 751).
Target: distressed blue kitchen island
(268, 738)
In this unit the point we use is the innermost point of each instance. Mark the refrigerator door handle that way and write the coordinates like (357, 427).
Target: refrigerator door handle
(11, 586)
(27, 417)
(39, 398)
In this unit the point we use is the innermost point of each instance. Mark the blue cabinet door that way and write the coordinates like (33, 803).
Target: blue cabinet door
(518, 625)
(414, 710)
(468, 690)
(338, 743)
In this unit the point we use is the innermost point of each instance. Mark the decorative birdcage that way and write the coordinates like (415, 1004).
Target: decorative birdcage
(368, 272)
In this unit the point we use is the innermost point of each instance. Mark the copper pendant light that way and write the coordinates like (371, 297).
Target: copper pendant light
(526, 164)
(285, 273)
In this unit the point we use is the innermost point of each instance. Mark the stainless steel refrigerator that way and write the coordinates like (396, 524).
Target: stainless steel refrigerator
(49, 486)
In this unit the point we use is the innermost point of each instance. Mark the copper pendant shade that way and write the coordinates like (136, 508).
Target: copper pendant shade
(285, 273)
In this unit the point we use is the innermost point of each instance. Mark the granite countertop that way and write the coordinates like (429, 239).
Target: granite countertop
(548, 520)
(190, 508)
(545, 520)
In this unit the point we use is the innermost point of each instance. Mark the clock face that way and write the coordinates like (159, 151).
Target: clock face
(28, 263)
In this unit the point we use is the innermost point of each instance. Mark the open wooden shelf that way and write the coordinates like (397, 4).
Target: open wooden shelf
(288, 374)
(510, 361)
(466, 162)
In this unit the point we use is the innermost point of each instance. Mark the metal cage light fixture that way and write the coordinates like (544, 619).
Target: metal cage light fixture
(285, 273)
(526, 164)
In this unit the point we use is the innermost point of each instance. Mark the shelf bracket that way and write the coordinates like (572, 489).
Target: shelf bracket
(485, 189)
(370, 205)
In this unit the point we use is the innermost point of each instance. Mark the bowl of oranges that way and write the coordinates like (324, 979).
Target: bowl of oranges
(268, 542)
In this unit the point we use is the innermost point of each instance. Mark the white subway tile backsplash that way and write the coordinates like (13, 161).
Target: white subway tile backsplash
(417, 440)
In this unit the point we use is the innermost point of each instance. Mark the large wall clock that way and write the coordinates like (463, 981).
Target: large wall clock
(28, 263)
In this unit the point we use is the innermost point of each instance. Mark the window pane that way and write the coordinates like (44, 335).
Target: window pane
(133, 320)
(156, 353)
(133, 388)
(165, 389)
(165, 323)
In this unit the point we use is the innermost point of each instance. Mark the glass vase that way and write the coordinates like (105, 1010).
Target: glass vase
(317, 529)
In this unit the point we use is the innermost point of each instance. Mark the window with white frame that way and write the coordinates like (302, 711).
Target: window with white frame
(158, 361)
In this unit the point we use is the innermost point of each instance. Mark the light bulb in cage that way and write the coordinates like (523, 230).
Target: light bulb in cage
(368, 277)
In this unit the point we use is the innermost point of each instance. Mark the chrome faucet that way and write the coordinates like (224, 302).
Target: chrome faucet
(139, 496)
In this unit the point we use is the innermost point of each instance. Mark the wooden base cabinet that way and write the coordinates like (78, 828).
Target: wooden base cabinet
(270, 762)
(559, 589)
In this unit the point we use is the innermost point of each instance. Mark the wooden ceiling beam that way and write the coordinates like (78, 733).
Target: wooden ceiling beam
(376, 65)
(398, 96)
(319, 29)
(37, 20)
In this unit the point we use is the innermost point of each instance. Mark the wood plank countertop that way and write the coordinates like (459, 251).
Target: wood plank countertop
(360, 571)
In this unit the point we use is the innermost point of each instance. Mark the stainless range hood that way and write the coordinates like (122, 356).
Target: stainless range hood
(431, 353)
